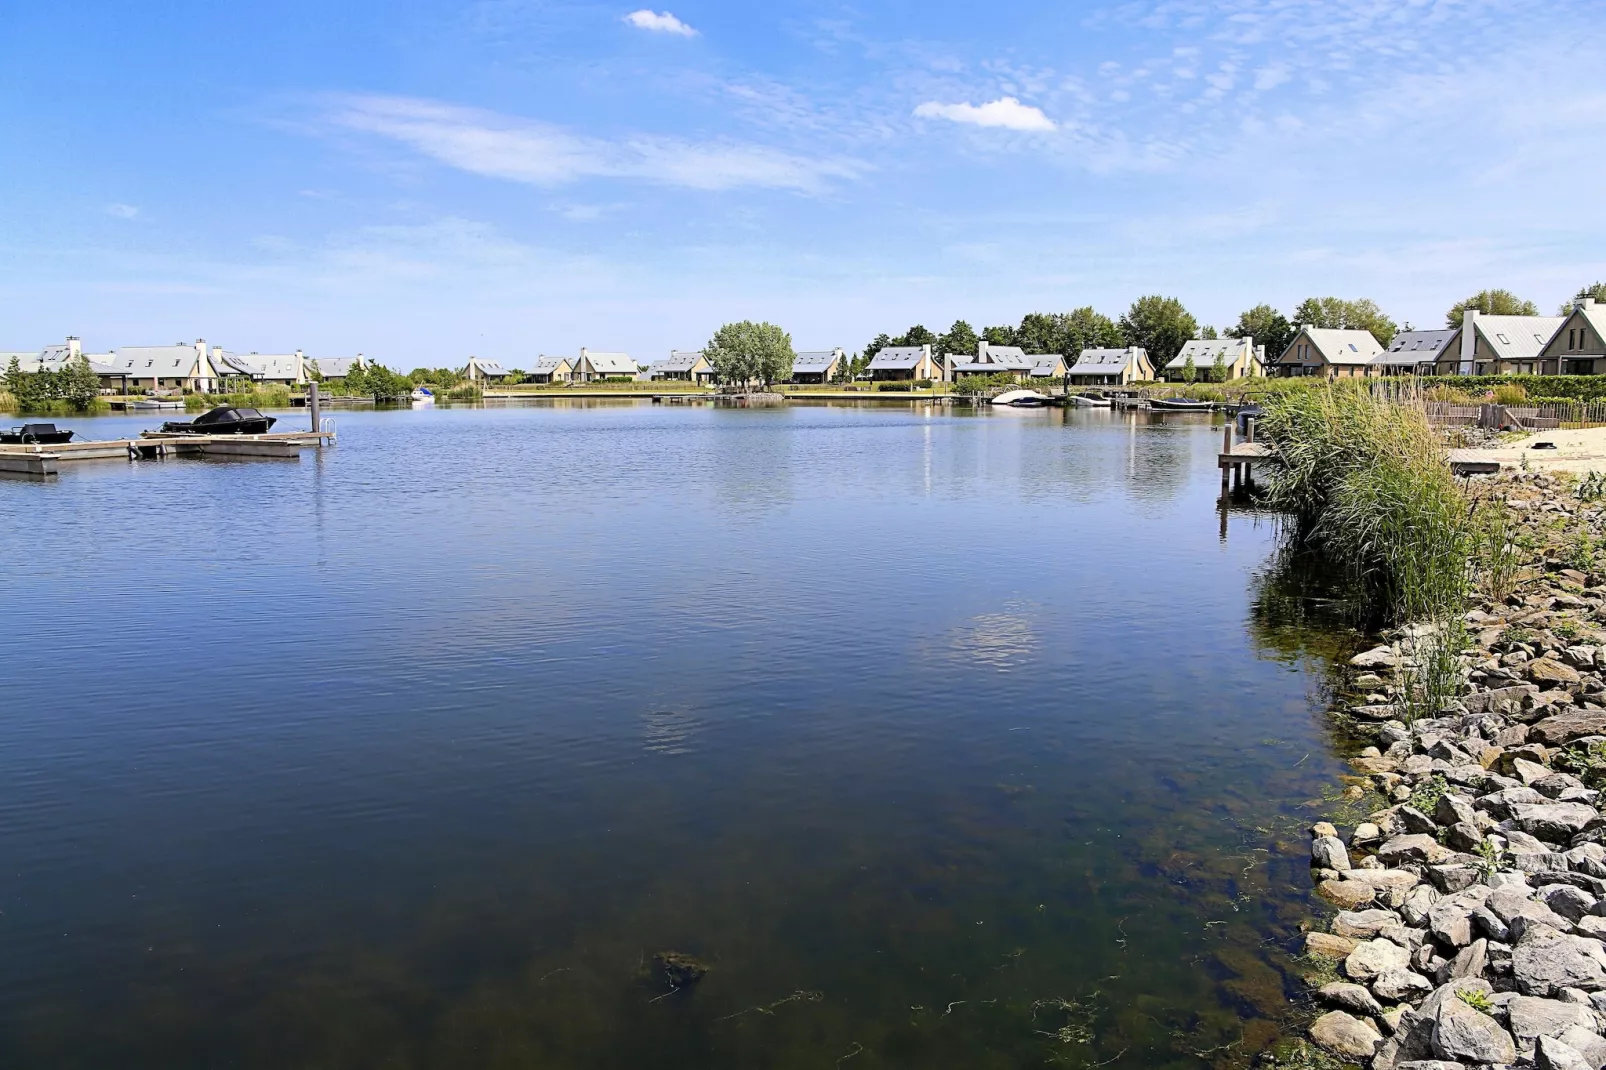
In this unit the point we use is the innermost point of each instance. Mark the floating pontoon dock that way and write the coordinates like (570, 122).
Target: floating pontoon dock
(44, 461)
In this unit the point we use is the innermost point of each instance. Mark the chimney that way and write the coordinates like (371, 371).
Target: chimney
(74, 346)
(981, 351)
(1469, 340)
(1584, 302)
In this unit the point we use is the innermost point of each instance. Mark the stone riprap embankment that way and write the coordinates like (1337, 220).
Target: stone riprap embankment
(1471, 924)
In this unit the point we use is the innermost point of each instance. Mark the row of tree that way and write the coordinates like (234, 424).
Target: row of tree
(75, 385)
(1161, 325)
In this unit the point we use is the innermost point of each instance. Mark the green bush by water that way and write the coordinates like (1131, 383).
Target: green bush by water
(1366, 482)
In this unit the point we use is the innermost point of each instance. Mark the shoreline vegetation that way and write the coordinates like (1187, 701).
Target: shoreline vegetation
(1469, 866)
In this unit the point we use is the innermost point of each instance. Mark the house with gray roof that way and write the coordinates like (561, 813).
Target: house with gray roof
(233, 366)
(1579, 345)
(993, 359)
(1331, 352)
(899, 363)
(1047, 366)
(594, 367)
(1238, 358)
(545, 369)
(1500, 345)
(1111, 367)
(689, 366)
(480, 370)
(817, 365)
(1414, 352)
(175, 367)
(335, 367)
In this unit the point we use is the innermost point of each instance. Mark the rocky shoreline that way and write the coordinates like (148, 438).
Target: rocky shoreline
(1471, 928)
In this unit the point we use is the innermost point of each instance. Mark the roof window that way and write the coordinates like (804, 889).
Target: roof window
(1503, 339)
(1352, 348)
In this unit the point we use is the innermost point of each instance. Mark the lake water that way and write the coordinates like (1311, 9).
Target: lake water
(943, 739)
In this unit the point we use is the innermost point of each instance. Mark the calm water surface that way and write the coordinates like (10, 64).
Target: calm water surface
(946, 740)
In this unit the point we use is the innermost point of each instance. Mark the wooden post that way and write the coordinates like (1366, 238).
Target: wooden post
(312, 404)
(1249, 428)
(1226, 448)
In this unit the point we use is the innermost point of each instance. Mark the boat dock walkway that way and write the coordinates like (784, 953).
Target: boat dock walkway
(43, 462)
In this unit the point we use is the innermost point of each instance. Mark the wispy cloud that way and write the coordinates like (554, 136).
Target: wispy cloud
(122, 211)
(543, 154)
(659, 22)
(1006, 112)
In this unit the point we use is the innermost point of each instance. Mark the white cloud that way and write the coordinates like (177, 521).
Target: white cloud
(543, 154)
(122, 211)
(659, 22)
(1006, 112)
(1271, 76)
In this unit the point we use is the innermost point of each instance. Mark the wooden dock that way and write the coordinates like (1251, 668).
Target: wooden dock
(43, 462)
(1237, 459)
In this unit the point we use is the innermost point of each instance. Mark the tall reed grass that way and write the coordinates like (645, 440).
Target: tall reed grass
(1365, 481)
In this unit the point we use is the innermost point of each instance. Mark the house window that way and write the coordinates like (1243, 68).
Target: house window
(1578, 367)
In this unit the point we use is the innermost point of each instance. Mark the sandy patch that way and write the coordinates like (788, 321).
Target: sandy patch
(1576, 451)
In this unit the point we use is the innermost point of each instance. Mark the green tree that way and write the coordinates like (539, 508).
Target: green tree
(999, 336)
(1218, 370)
(356, 381)
(1040, 332)
(1208, 332)
(1597, 290)
(1337, 313)
(1087, 329)
(877, 344)
(1267, 327)
(16, 379)
(1491, 303)
(960, 340)
(917, 336)
(78, 384)
(1189, 372)
(1160, 325)
(743, 352)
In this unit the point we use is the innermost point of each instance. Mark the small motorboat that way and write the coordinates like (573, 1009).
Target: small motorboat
(35, 435)
(154, 405)
(1021, 399)
(1089, 401)
(223, 420)
(422, 393)
(1181, 404)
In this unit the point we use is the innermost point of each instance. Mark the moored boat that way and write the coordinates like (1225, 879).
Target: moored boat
(1021, 399)
(1181, 404)
(35, 435)
(223, 420)
(1088, 401)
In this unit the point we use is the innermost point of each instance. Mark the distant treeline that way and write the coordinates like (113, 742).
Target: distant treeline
(1162, 324)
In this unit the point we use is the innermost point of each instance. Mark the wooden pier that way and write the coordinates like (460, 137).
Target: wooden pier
(1237, 459)
(43, 462)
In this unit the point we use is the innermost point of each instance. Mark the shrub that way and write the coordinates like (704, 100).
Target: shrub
(1366, 482)
(902, 387)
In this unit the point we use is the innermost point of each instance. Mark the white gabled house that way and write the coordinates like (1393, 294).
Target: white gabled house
(901, 363)
(480, 370)
(1499, 345)
(594, 367)
(993, 359)
(175, 367)
(1579, 345)
(688, 366)
(1332, 352)
(1240, 358)
(817, 366)
(1414, 352)
(545, 369)
(1111, 367)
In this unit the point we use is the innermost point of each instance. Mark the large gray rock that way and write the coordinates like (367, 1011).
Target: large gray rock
(1548, 673)
(1454, 810)
(1553, 1054)
(1416, 847)
(1346, 1035)
(1389, 886)
(1571, 903)
(1469, 961)
(1533, 1017)
(1355, 998)
(1465, 1034)
(1377, 658)
(1500, 802)
(1366, 924)
(1546, 961)
(1374, 957)
(1346, 895)
(1586, 1043)
(1329, 853)
(1509, 905)
(1566, 727)
(1415, 821)
(1450, 920)
(1556, 822)
(1401, 986)
(1417, 903)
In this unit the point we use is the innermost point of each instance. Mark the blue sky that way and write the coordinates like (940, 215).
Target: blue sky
(421, 180)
